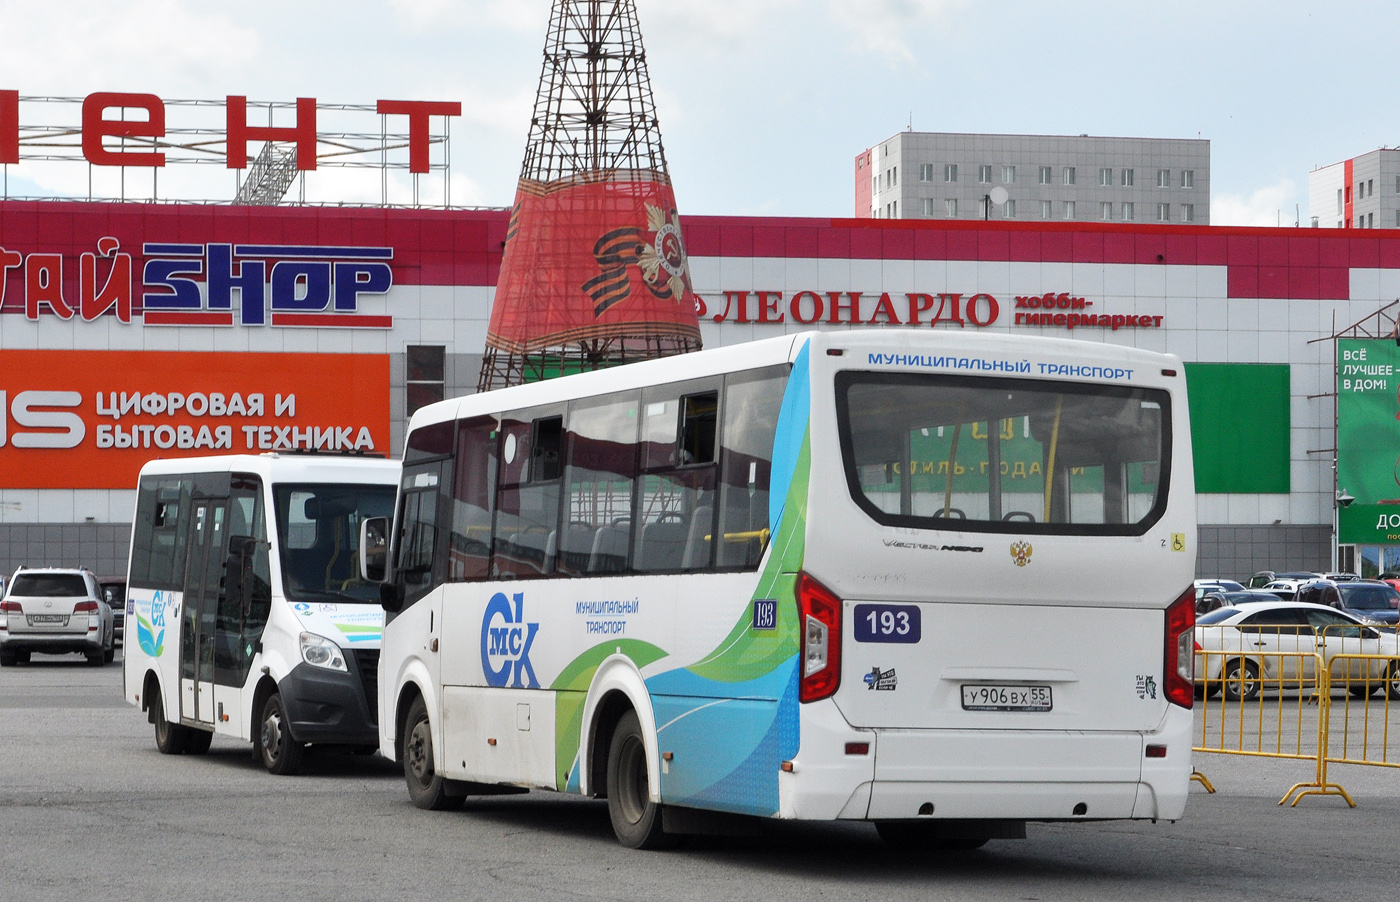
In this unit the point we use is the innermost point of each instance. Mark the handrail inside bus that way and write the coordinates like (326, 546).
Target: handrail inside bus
(1050, 461)
(952, 458)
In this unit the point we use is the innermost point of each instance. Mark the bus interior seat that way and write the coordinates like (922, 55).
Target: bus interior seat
(609, 552)
(663, 543)
(697, 539)
(573, 556)
(530, 546)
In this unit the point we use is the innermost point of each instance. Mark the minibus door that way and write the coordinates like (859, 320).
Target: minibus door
(203, 570)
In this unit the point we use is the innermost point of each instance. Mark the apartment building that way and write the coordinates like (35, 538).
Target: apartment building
(940, 175)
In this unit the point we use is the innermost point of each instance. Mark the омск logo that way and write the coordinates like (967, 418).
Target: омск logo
(505, 644)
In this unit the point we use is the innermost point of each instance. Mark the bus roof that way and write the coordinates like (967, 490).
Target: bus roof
(919, 350)
(275, 467)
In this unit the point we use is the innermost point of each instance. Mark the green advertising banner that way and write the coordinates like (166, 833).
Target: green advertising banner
(1368, 440)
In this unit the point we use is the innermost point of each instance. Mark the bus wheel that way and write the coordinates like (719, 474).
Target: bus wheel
(426, 787)
(170, 737)
(281, 754)
(635, 818)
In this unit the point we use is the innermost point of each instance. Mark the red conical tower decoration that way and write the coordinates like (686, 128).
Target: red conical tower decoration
(595, 271)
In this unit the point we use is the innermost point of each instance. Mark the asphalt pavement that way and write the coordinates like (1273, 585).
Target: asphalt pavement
(89, 810)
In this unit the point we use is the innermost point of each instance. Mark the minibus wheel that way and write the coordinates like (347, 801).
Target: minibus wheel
(170, 737)
(426, 787)
(635, 818)
(281, 754)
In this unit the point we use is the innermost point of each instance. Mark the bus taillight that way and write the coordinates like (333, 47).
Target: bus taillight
(1180, 663)
(820, 615)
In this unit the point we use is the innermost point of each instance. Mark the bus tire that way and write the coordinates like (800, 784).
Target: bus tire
(171, 738)
(426, 787)
(280, 753)
(636, 820)
(197, 741)
(1241, 680)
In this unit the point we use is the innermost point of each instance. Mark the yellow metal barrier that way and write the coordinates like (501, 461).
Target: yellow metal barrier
(1361, 723)
(1271, 704)
(1327, 693)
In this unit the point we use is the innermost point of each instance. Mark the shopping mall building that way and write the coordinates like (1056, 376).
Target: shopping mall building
(132, 331)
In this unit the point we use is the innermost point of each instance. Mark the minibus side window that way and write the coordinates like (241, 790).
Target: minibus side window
(247, 598)
(158, 539)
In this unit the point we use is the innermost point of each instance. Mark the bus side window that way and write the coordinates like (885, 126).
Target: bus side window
(473, 500)
(601, 446)
(527, 502)
(676, 491)
(749, 425)
(417, 565)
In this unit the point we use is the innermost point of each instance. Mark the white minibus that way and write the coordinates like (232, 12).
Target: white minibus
(935, 581)
(246, 612)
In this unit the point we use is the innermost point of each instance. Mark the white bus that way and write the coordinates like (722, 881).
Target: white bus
(246, 613)
(936, 581)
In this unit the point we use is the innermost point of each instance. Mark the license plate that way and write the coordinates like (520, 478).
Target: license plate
(36, 619)
(1005, 698)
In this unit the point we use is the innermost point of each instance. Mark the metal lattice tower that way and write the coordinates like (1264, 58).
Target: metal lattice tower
(594, 114)
(594, 125)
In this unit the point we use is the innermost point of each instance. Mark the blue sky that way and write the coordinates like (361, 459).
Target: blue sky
(763, 104)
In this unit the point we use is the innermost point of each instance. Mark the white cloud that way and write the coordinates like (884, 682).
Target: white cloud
(885, 27)
(514, 15)
(1271, 205)
(714, 25)
(73, 45)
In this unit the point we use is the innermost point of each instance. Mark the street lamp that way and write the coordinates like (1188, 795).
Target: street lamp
(1343, 499)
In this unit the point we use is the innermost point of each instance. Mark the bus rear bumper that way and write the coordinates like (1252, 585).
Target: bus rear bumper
(979, 774)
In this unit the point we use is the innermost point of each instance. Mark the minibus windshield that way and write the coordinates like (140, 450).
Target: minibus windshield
(318, 532)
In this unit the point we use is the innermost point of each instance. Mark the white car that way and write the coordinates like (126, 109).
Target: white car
(1204, 586)
(55, 611)
(1247, 647)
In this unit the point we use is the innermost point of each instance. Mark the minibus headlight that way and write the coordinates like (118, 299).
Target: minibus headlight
(318, 651)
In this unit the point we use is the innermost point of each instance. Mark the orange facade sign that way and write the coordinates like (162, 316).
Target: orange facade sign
(90, 419)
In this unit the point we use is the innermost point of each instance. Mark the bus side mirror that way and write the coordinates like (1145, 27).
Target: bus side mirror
(374, 549)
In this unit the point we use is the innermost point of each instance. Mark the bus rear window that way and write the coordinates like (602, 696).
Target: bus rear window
(994, 455)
